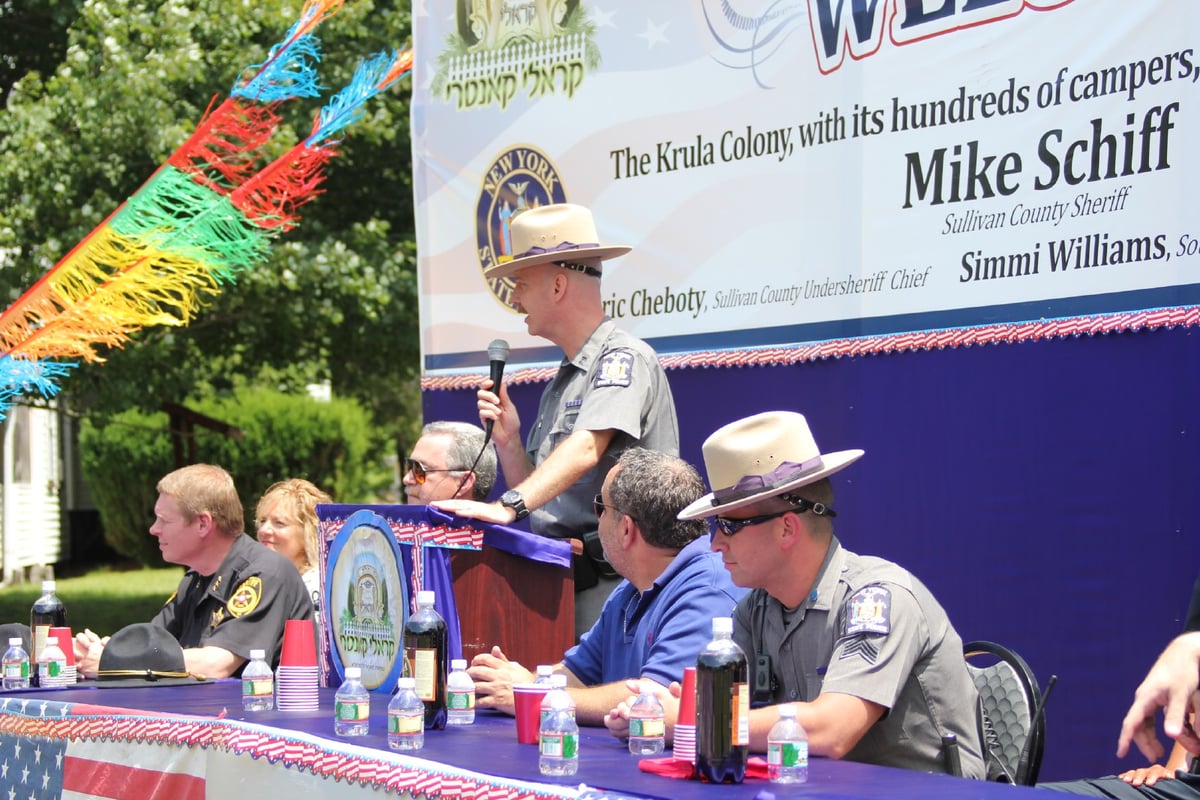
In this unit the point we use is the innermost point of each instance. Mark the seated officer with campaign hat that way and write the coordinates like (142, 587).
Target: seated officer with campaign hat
(860, 645)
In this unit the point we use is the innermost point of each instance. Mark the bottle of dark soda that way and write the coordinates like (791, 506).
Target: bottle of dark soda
(425, 658)
(722, 707)
(47, 612)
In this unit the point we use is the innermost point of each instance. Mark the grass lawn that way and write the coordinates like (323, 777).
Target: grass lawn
(105, 599)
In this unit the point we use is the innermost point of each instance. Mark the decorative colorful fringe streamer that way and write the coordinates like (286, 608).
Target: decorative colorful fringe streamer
(208, 213)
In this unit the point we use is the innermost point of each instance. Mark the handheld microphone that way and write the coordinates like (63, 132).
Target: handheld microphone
(497, 355)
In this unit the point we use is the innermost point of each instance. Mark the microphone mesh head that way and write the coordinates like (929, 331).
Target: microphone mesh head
(498, 350)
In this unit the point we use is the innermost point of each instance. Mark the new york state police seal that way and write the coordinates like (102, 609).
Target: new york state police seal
(519, 178)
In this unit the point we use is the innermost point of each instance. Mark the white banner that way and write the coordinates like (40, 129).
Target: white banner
(794, 172)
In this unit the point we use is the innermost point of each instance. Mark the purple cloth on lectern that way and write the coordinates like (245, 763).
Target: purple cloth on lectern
(440, 579)
(513, 540)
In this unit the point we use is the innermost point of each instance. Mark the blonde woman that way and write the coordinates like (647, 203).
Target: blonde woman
(286, 520)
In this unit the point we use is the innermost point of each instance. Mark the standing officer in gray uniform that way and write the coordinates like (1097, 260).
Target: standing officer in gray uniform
(859, 644)
(609, 394)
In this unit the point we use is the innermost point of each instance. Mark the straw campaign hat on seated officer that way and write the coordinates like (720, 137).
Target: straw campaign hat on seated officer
(765, 455)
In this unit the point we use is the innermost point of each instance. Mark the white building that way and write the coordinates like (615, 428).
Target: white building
(31, 479)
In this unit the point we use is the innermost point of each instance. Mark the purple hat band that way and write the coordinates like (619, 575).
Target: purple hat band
(559, 248)
(785, 473)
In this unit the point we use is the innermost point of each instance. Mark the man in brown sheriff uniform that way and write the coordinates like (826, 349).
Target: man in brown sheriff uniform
(236, 594)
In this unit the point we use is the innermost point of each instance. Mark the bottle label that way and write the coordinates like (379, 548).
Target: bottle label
(352, 710)
(647, 727)
(16, 669)
(787, 754)
(460, 700)
(40, 632)
(51, 669)
(559, 745)
(425, 669)
(405, 723)
(740, 727)
(258, 687)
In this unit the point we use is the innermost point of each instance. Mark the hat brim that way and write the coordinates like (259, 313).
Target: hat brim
(832, 462)
(507, 268)
(125, 683)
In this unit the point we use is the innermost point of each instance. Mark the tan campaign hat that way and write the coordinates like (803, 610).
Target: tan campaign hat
(762, 456)
(558, 232)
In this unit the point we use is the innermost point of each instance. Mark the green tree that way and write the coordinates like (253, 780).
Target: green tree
(336, 300)
(283, 436)
(33, 37)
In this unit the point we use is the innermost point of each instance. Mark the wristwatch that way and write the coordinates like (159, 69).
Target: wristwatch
(512, 499)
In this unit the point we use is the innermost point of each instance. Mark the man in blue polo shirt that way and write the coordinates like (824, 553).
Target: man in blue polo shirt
(660, 616)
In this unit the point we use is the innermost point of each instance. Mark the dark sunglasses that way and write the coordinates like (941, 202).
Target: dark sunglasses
(419, 471)
(598, 505)
(729, 526)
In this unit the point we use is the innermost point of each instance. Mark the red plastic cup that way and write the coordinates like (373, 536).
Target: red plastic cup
(299, 645)
(684, 744)
(687, 698)
(66, 643)
(527, 698)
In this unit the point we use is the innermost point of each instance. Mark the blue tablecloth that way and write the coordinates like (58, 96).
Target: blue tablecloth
(490, 747)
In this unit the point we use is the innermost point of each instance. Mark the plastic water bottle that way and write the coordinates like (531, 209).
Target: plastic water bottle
(47, 612)
(351, 705)
(787, 749)
(426, 652)
(258, 683)
(406, 717)
(722, 707)
(647, 724)
(16, 665)
(558, 738)
(550, 703)
(544, 673)
(460, 694)
(52, 664)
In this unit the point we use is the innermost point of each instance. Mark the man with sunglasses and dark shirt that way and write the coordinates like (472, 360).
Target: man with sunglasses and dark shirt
(659, 617)
(857, 643)
(440, 467)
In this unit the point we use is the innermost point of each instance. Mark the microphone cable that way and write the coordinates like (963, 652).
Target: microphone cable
(497, 356)
(487, 438)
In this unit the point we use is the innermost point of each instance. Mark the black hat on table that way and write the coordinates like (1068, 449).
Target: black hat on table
(143, 654)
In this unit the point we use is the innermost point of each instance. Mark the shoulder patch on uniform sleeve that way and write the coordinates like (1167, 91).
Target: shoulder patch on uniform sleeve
(616, 369)
(245, 598)
(869, 611)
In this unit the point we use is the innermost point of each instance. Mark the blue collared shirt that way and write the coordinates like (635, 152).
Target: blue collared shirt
(656, 633)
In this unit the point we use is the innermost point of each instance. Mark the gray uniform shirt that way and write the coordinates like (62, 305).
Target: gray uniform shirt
(613, 383)
(872, 630)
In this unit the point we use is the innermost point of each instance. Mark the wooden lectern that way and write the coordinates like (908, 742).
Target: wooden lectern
(524, 605)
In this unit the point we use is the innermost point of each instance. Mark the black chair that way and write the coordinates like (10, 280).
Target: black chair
(1013, 712)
